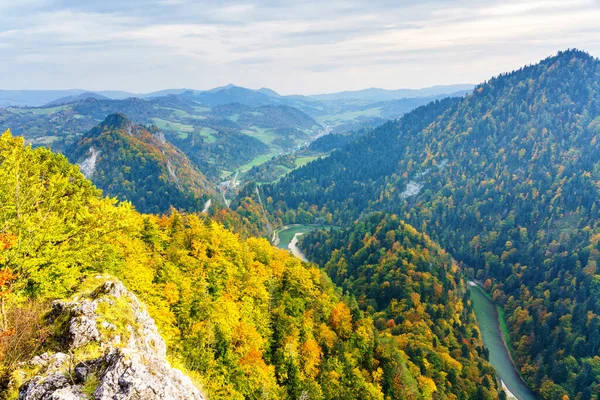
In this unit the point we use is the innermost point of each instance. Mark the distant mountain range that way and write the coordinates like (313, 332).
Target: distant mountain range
(75, 98)
(222, 130)
(226, 94)
(376, 94)
(217, 137)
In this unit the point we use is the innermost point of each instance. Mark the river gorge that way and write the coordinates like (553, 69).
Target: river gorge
(485, 312)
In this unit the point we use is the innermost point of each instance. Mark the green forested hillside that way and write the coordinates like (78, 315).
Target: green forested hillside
(135, 163)
(413, 290)
(507, 180)
(244, 319)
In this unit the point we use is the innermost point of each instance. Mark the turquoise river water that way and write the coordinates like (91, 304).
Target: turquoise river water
(489, 324)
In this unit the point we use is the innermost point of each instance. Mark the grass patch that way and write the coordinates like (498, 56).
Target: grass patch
(178, 127)
(88, 352)
(178, 113)
(201, 109)
(45, 139)
(119, 315)
(257, 161)
(334, 119)
(18, 378)
(88, 285)
(301, 161)
(208, 134)
(264, 135)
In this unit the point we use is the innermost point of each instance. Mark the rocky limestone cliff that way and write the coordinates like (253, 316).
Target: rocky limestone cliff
(111, 350)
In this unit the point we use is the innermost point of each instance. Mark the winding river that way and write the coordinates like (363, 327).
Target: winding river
(286, 234)
(287, 238)
(485, 312)
(489, 324)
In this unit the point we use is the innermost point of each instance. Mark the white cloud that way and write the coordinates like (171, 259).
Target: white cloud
(304, 46)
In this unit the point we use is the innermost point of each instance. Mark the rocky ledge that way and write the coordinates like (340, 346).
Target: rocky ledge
(111, 349)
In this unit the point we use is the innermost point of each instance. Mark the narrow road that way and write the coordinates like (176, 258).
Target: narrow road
(225, 200)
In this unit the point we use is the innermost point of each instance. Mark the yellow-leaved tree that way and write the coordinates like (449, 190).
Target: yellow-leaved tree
(243, 318)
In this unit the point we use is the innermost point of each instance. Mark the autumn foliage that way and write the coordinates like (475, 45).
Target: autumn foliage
(245, 319)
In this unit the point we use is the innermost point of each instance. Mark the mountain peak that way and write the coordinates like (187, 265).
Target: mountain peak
(574, 53)
(269, 92)
(137, 163)
(220, 88)
(116, 121)
(567, 56)
(75, 98)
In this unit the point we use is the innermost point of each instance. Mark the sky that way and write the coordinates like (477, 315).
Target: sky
(301, 46)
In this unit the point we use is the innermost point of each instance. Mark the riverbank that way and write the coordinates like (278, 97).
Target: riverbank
(293, 246)
(501, 320)
(287, 237)
(509, 394)
(284, 235)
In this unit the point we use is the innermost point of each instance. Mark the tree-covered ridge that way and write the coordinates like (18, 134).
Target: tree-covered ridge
(414, 292)
(135, 163)
(507, 180)
(350, 179)
(245, 319)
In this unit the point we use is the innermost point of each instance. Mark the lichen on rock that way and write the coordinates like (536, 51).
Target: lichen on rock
(112, 351)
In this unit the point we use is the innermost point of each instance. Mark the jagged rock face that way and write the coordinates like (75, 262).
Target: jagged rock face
(88, 166)
(132, 367)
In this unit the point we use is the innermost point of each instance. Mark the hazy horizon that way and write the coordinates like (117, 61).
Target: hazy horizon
(108, 90)
(298, 48)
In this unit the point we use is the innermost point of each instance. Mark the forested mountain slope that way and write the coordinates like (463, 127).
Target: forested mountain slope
(136, 163)
(244, 319)
(413, 290)
(507, 180)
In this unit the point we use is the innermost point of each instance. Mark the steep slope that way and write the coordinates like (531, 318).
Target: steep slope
(508, 181)
(350, 179)
(241, 317)
(136, 163)
(413, 290)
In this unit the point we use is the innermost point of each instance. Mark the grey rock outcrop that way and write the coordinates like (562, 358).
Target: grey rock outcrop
(131, 366)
